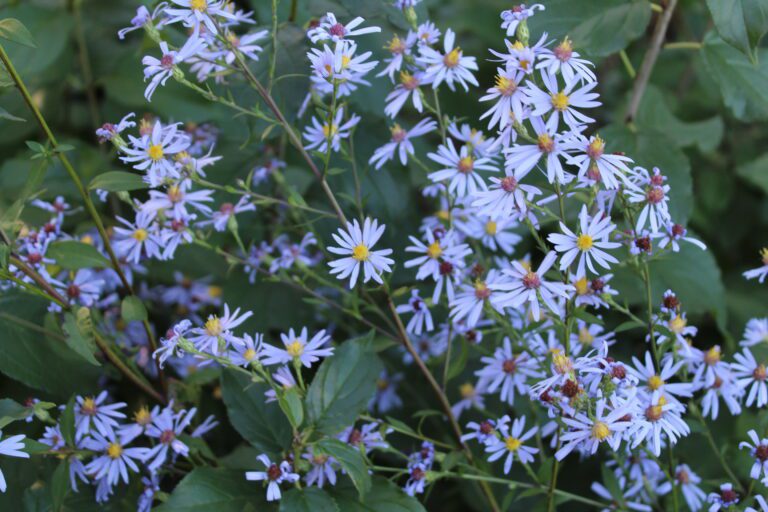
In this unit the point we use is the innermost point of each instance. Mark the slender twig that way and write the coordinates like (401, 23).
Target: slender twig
(292, 136)
(659, 32)
(273, 52)
(89, 206)
(125, 369)
(444, 404)
(683, 45)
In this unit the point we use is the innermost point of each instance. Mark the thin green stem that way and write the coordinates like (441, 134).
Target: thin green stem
(273, 53)
(89, 206)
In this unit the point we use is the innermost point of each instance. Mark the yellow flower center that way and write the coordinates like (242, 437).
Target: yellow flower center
(655, 383)
(214, 291)
(513, 444)
(764, 255)
(443, 214)
(434, 250)
(142, 416)
(213, 326)
(466, 164)
(600, 431)
(584, 242)
(677, 324)
(295, 348)
(88, 407)
(585, 337)
(451, 59)
(330, 131)
(345, 60)
(560, 101)
(545, 143)
(360, 253)
(506, 86)
(140, 234)
(582, 286)
(712, 356)
(596, 148)
(561, 362)
(490, 227)
(396, 45)
(114, 450)
(198, 5)
(249, 354)
(87, 239)
(408, 80)
(155, 152)
(467, 390)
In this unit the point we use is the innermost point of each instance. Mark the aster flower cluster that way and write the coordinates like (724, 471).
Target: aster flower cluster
(105, 449)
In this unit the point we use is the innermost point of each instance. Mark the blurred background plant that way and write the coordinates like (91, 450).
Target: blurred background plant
(700, 117)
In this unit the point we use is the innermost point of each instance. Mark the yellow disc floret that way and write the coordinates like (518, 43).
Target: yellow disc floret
(155, 152)
(584, 242)
(513, 444)
(600, 431)
(360, 252)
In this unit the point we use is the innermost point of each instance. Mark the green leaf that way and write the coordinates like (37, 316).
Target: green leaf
(343, 385)
(4, 114)
(612, 484)
(80, 338)
(5, 255)
(741, 23)
(222, 490)
(309, 499)
(40, 362)
(74, 255)
(33, 183)
(262, 424)
(459, 363)
(350, 459)
(741, 82)
(628, 325)
(11, 411)
(384, 496)
(67, 422)
(756, 172)
(33, 447)
(597, 28)
(117, 181)
(13, 30)
(60, 485)
(291, 404)
(655, 116)
(132, 309)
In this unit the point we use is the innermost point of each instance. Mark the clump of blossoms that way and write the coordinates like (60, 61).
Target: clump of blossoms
(501, 307)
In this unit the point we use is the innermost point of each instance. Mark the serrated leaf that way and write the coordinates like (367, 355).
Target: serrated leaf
(597, 28)
(741, 82)
(132, 309)
(741, 23)
(13, 30)
(208, 489)
(343, 385)
(350, 459)
(74, 255)
(309, 499)
(79, 329)
(262, 424)
(118, 181)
